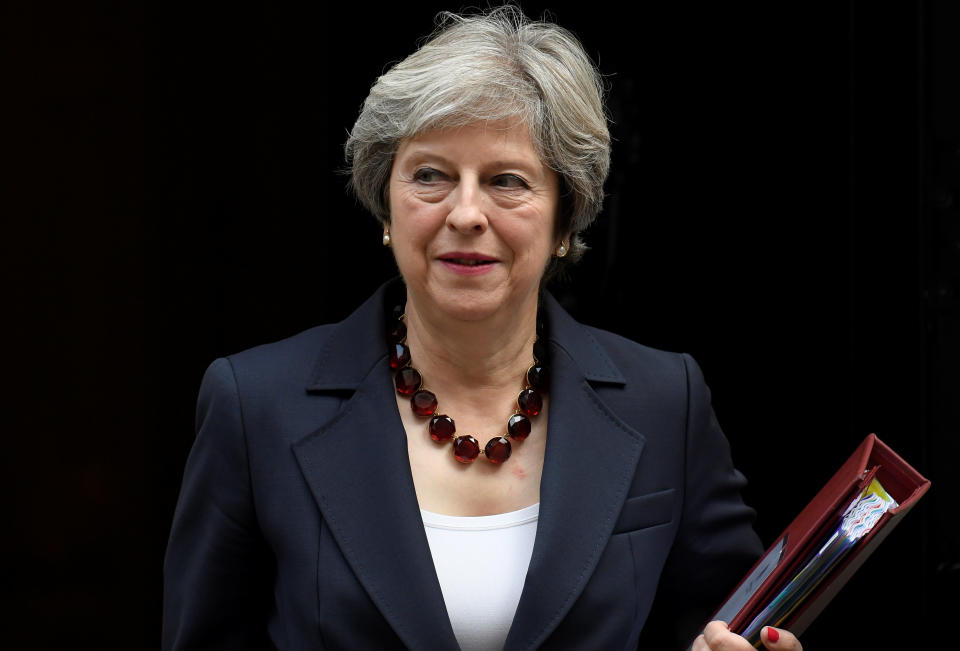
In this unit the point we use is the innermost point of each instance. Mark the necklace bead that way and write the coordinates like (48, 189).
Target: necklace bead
(407, 380)
(399, 356)
(441, 427)
(537, 377)
(465, 448)
(497, 450)
(397, 333)
(529, 401)
(423, 402)
(519, 427)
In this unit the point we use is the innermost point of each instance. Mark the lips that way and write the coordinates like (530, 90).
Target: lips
(467, 263)
(467, 259)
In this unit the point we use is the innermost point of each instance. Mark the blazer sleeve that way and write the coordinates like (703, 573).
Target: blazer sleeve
(217, 568)
(716, 543)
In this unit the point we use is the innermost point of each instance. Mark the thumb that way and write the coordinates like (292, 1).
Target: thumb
(779, 639)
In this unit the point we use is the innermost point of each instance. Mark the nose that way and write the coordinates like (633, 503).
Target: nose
(467, 214)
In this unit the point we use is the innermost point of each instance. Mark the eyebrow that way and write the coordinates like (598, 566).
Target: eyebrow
(414, 154)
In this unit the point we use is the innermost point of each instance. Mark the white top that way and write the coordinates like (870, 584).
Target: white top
(482, 562)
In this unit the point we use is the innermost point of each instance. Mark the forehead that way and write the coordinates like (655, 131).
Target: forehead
(477, 139)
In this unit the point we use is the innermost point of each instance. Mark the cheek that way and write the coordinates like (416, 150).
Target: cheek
(533, 247)
(412, 229)
(405, 242)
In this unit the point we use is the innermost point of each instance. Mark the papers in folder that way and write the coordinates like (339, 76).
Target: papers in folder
(826, 543)
(857, 521)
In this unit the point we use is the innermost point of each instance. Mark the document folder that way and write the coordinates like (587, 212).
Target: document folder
(798, 545)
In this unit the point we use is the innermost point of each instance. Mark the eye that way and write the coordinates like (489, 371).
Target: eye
(509, 181)
(427, 175)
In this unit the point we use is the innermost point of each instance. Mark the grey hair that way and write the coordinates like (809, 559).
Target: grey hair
(483, 68)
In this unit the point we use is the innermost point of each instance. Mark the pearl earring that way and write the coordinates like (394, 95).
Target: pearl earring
(561, 250)
(386, 237)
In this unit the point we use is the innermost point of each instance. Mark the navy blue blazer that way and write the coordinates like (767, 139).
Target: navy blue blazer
(298, 526)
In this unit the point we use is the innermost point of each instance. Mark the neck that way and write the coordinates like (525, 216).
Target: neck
(490, 353)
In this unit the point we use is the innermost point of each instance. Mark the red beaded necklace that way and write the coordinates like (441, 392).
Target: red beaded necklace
(441, 427)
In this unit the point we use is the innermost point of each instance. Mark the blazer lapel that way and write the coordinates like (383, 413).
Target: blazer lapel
(358, 463)
(590, 461)
(358, 470)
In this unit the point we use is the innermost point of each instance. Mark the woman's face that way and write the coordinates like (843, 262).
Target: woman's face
(472, 219)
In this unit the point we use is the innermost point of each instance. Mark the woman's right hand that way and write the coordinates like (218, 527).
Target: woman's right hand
(717, 637)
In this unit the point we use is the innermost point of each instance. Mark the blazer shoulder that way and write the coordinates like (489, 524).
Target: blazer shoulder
(641, 363)
(289, 360)
(286, 349)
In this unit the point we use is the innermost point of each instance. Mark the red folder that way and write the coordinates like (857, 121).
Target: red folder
(794, 546)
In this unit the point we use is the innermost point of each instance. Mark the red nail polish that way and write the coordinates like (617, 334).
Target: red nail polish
(773, 634)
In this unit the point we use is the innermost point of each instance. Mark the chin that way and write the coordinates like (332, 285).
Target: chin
(462, 302)
(470, 308)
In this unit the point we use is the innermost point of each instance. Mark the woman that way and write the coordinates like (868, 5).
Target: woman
(336, 496)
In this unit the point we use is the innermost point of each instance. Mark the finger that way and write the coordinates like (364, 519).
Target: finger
(700, 644)
(779, 639)
(719, 638)
(714, 631)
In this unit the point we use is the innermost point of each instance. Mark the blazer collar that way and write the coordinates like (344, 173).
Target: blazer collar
(578, 344)
(358, 464)
(356, 344)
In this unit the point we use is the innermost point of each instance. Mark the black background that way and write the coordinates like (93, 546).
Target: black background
(782, 205)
